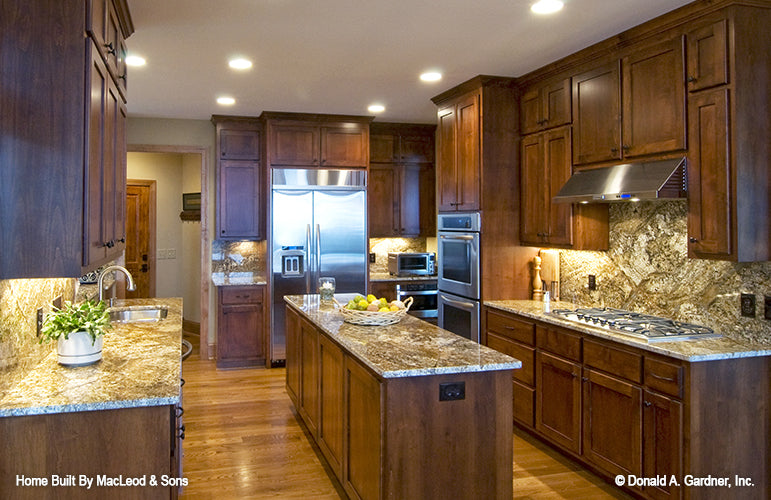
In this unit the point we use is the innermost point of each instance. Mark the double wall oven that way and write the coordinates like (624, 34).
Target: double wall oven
(459, 279)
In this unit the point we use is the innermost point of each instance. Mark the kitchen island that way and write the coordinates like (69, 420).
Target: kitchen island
(401, 411)
(115, 422)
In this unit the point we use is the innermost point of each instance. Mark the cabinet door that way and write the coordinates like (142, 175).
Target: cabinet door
(663, 443)
(410, 201)
(612, 433)
(331, 400)
(416, 149)
(114, 173)
(309, 385)
(710, 188)
(597, 115)
(362, 428)
(524, 378)
(345, 145)
(558, 169)
(555, 104)
(383, 200)
(294, 145)
(238, 339)
(427, 194)
(238, 200)
(707, 56)
(239, 144)
(558, 400)
(383, 148)
(468, 153)
(293, 353)
(534, 225)
(447, 161)
(530, 109)
(654, 100)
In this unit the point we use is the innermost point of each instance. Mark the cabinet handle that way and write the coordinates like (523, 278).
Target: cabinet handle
(110, 244)
(122, 240)
(180, 411)
(614, 150)
(222, 154)
(110, 48)
(583, 379)
(323, 162)
(123, 77)
(665, 379)
(182, 431)
(693, 240)
(647, 403)
(691, 79)
(181, 382)
(625, 147)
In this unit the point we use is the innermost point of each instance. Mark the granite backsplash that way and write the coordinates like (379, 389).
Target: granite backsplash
(647, 269)
(238, 257)
(381, 246)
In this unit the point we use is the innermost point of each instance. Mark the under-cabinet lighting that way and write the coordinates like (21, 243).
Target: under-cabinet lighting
(226, 101)
(134, 60)
(547, 6)
(240, 63)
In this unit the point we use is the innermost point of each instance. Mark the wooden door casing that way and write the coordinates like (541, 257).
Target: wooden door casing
(140, 236)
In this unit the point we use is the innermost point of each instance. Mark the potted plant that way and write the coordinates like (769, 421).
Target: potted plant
(78, 330)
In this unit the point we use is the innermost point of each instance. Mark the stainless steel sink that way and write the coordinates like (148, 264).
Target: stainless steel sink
(138, 314)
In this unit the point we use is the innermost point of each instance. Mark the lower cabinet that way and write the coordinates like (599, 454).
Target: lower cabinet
(241, 331)
(330, 427)
(558, 410)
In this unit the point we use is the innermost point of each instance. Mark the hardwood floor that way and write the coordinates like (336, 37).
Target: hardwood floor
(243, 440)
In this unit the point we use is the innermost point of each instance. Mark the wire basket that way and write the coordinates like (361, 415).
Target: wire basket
(374, 318)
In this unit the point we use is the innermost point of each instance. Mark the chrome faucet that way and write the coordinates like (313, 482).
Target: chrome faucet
(131, 286)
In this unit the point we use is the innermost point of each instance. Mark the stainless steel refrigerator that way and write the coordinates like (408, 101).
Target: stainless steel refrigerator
(318, 228)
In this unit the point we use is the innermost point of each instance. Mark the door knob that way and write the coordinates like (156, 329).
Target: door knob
(144, 268)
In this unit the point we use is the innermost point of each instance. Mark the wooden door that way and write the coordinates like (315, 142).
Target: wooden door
(663, 443)
(293, 145)
(468, 153)
(94, 239)
(140, 237)
(331, 401)
(710, 184)
(533, 205)
(555, 104)
(654, 100)
(612, 423)
(345, 145)
(239, 200)
(558, 168)
(447, 160)
(383, 200)
(707, 50)
(410, 200)
(530, 110)
(597, 115)
(236, 144)
(558, 400)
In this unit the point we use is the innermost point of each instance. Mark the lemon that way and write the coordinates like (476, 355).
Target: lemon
(362, 304)
(371, 298)
(383, 302)
(394, 308)
(358, 298)
(383, 309)
(351, 304)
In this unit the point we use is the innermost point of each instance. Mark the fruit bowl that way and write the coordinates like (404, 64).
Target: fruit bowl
(374, 318)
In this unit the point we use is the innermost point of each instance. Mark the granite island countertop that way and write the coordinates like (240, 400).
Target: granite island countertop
(140, 366)
(687, 350)
(409, 348)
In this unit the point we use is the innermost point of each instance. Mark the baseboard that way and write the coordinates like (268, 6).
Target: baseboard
(191, 326)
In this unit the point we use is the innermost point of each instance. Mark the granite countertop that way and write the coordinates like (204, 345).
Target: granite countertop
(390, 277)
(687, 350)
(409, 348)
(239, 279)
(140, 366)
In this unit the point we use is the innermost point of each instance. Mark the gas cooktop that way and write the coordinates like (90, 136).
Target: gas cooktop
(643, 326)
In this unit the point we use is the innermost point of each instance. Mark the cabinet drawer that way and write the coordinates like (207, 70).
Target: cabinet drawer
(508, 326)
(615, 361)
(241, 295)
(526, 354)
(664, 377)
(524, 404)
(559, 341)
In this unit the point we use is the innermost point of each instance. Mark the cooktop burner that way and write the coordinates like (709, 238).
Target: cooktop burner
(644, 326)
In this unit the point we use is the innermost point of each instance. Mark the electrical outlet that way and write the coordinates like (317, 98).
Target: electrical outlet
(767, 309)
(748, 305)
(39, 321)
(372, 257)
(592, 282)
(452, 391)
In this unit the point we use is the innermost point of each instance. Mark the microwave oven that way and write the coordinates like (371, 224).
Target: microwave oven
(411, 264)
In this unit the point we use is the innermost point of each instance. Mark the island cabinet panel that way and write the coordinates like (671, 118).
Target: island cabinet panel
(331, 400)
(132, 442)
(241, 332)
(293, 355)
(309, 389)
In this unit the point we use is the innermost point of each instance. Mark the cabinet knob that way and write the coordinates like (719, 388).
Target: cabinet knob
(647, 403)
(625, 147)
(110, 48)
(614, 150)
(693, 240)
(584, 379)
(110, 244)
(123, 77)
(691, 79)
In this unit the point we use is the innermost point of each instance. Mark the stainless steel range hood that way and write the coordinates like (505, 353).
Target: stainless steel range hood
(653, 180)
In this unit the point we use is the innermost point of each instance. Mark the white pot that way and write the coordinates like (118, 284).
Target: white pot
(78, 349)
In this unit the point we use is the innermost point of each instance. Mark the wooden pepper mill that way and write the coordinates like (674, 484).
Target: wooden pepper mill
(537, 283)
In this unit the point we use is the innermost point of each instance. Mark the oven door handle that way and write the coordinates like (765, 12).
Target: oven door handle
(408, 292)
(465, 237)
(463, 305)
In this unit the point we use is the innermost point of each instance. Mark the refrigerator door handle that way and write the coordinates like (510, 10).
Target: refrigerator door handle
(318, 253)
(307, 258)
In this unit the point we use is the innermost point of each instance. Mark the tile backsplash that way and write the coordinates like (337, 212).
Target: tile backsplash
(647, 269)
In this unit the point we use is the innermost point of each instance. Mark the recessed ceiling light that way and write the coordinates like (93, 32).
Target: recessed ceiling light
(431, 76)
(546, 6)
(376, 108)
(226, 101)
(135, 60)
(240, 63)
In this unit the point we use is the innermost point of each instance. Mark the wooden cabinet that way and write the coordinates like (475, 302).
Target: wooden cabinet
(309, 376)
(545, 106)
(662, 450)
(63, 175)
(400, 191)
(651, 106)
(241, 333)
(558, 411)
(707, 49)
(317, 141)
(240, 179)
(104, 26)
(331, 401)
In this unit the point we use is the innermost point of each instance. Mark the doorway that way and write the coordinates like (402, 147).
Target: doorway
(140, 236)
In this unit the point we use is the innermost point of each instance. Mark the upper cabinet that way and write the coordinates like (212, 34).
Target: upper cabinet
(240, 179)
(400, 191)
(707, 48)
(545, 106)
(317, 141)
(631, 108)
(63, 148)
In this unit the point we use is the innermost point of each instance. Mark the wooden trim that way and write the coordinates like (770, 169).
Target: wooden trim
(152, 237)
(206, 349)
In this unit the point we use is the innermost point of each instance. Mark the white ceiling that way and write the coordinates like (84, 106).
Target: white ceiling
(339, 56)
